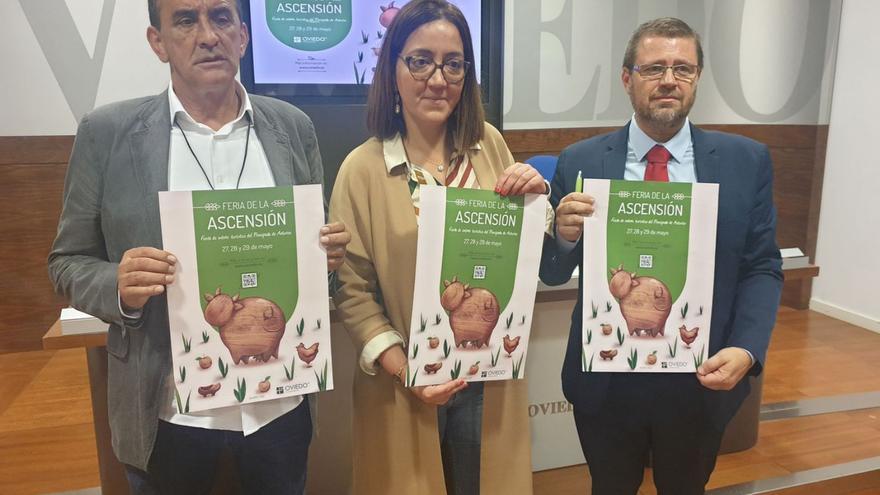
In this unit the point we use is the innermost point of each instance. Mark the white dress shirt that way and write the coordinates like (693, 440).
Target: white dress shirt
(221, 154)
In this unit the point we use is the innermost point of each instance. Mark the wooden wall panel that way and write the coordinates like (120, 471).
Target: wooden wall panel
(35, 149)
(32, 177)
(31, 182)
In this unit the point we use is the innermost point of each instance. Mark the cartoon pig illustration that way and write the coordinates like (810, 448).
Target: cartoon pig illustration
(473, 312)
(387, 15)
(249, 327)
(644, 301)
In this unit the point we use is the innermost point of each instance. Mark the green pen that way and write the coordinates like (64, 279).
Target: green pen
(579, 183)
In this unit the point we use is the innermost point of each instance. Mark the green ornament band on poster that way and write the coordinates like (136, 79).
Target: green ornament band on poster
(309, 25)
(244, 238)
(481, 244)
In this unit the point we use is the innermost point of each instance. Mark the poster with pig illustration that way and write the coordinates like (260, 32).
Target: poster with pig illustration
(242, 329)
(476, 277)
(649, 266)
(329, 41)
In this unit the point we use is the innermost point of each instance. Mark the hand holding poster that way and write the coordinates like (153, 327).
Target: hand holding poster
(649, 259)
(476, 276)
(248, 310)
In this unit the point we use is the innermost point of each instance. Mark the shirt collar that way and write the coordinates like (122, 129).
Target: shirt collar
(177, 109)
(641, 143)
(395, 153)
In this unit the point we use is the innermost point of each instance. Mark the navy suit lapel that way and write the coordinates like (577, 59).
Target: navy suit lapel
(276, 145)
(149, 158)
(705, 157)
(614, 161)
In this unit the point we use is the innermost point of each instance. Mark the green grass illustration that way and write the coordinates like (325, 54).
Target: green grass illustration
(240, 391)
(456, 370)
(322, 378)
(224, 368)
(182, 409)
(633, 359)
(517, 368)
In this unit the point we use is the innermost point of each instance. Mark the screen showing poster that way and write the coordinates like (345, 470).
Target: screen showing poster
(476, 277)
(248, 310)
(329, 41)
(649, 268)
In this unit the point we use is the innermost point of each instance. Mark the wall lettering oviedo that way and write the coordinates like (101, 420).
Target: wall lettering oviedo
(767, 62)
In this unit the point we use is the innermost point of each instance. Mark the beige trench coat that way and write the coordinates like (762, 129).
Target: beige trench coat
(396, 447)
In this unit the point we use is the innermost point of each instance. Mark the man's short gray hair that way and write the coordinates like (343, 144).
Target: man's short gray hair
(153, 10)
(664, 27)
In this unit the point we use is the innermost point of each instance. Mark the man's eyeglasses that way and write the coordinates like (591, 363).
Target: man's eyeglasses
(422, 68)
(682, 72)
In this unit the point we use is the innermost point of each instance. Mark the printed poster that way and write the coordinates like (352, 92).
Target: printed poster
(476, 277)
(248, 309)
(329, 41)
(649, 268)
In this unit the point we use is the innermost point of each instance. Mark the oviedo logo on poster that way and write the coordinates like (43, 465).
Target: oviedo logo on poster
(309, 25)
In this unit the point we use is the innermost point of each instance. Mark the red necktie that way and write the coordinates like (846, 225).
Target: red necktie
(658, 159)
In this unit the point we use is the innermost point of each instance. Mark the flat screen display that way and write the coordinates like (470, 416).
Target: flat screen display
(329, 42)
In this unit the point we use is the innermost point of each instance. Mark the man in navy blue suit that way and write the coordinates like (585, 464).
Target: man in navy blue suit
(677, 417)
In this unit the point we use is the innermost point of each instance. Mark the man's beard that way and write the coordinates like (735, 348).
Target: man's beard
(665, 117)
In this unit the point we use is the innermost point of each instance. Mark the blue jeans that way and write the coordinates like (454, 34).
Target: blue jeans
(460, 423)
(271, 460)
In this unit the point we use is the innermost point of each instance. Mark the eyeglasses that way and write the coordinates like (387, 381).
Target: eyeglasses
(682, 72)
(423, 68)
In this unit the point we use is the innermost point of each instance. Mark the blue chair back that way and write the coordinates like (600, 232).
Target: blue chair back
(544, 164)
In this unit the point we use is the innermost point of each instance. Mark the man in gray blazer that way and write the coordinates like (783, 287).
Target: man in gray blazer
(204, 132)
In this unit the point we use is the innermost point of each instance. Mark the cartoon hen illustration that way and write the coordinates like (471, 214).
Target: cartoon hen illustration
(510, 344)
(307, 354)
(688, 336)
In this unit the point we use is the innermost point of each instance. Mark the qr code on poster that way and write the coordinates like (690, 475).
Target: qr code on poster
(248, 280)
(479, 272)
(646, 261)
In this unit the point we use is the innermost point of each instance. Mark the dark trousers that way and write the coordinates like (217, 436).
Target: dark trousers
(460, 423)
(270, 461)
(661, 414)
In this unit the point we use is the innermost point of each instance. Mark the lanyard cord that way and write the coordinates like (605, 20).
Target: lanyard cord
(247, 141)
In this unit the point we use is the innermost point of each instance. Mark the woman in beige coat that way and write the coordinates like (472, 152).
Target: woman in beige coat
(426, 117)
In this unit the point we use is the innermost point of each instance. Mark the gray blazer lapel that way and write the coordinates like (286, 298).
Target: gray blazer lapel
(705, 157)
(149, 158)
(614, 161)
(276, 145)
